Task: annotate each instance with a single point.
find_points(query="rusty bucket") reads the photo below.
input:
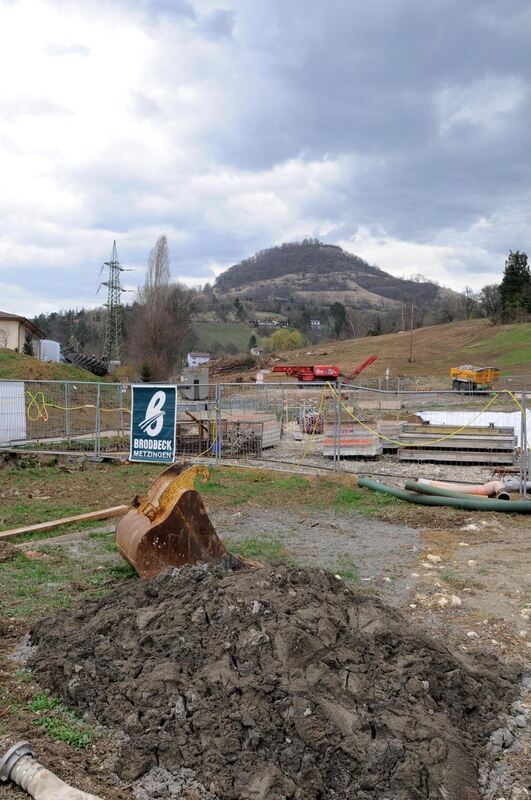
(170, 525)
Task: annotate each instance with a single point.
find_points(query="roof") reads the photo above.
(199, 355)
(37, 331)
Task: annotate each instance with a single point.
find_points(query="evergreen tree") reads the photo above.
(27, 347)
(240, 311)
(515, 288)
(145, 372)
(339, 316)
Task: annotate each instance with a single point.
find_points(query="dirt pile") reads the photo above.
(279, 683)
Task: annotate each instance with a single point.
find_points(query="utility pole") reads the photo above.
(113, 328)
(411, 338)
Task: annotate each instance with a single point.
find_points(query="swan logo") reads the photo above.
(154, 416)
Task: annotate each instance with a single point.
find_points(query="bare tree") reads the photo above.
(3, 337)
(470, 302)
(161, 320)
(491, 303)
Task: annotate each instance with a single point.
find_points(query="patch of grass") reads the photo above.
(508, 347)
(33, 587)
(293, 482)
(122, 572)
(260, 548)
(347, 570)
(235, 492)
(42, 701)
(59, 722)
(362, 501)
(449, 576)
(452, 578)
(236, 333)
(72, 731)
(105, 541)
(19, 366)
(23, 675)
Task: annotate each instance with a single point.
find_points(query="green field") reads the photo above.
(224, 333)
(508, 347)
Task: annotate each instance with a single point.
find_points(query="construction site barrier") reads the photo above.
(327, 426)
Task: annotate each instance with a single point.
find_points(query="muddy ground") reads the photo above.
(277, 684)
(464, 578)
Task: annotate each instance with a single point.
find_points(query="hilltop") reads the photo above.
(17, 366)
(315, 274)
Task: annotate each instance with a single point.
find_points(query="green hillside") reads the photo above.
(224, 333)
(17, 366)
(507, 348)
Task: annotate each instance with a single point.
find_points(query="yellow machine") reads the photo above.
(469, 378)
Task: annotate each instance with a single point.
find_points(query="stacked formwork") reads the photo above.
(457, 445)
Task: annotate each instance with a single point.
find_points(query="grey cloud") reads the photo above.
(218, 24)
(337, 79)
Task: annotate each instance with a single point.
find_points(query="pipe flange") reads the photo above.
(12, 756)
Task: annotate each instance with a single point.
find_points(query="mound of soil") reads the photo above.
(279, 683)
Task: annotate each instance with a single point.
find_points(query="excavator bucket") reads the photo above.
(170, 525)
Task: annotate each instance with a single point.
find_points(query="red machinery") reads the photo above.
(321, 372)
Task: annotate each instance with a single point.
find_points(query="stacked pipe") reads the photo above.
(426, 495)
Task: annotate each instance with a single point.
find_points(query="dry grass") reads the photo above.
(435, 350)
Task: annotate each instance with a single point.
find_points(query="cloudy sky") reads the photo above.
(399, 129)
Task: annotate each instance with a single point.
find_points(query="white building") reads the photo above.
(197, 359)
(13, 332)
(50, 350)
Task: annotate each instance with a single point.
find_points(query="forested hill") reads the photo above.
(309, 256)
(310, 267)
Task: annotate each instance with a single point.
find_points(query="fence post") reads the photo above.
(217, 444)
(337, 430)
(121, 410)
(524, 453)
(97, 439)
(68, 428)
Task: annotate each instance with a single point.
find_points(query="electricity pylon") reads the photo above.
(113, 328)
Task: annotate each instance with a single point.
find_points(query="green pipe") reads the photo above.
(464, 503)
(424, 488)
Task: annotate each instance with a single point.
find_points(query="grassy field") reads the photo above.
(225, 333)
(435, 350)
(17, 366)
(509, 347)
(52, 580)
(41, 493)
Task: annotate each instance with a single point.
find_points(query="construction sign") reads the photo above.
(153, 416)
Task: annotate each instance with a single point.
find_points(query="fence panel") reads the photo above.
(312, 425)
(64, 416)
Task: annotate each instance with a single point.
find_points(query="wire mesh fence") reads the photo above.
(325, 425)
